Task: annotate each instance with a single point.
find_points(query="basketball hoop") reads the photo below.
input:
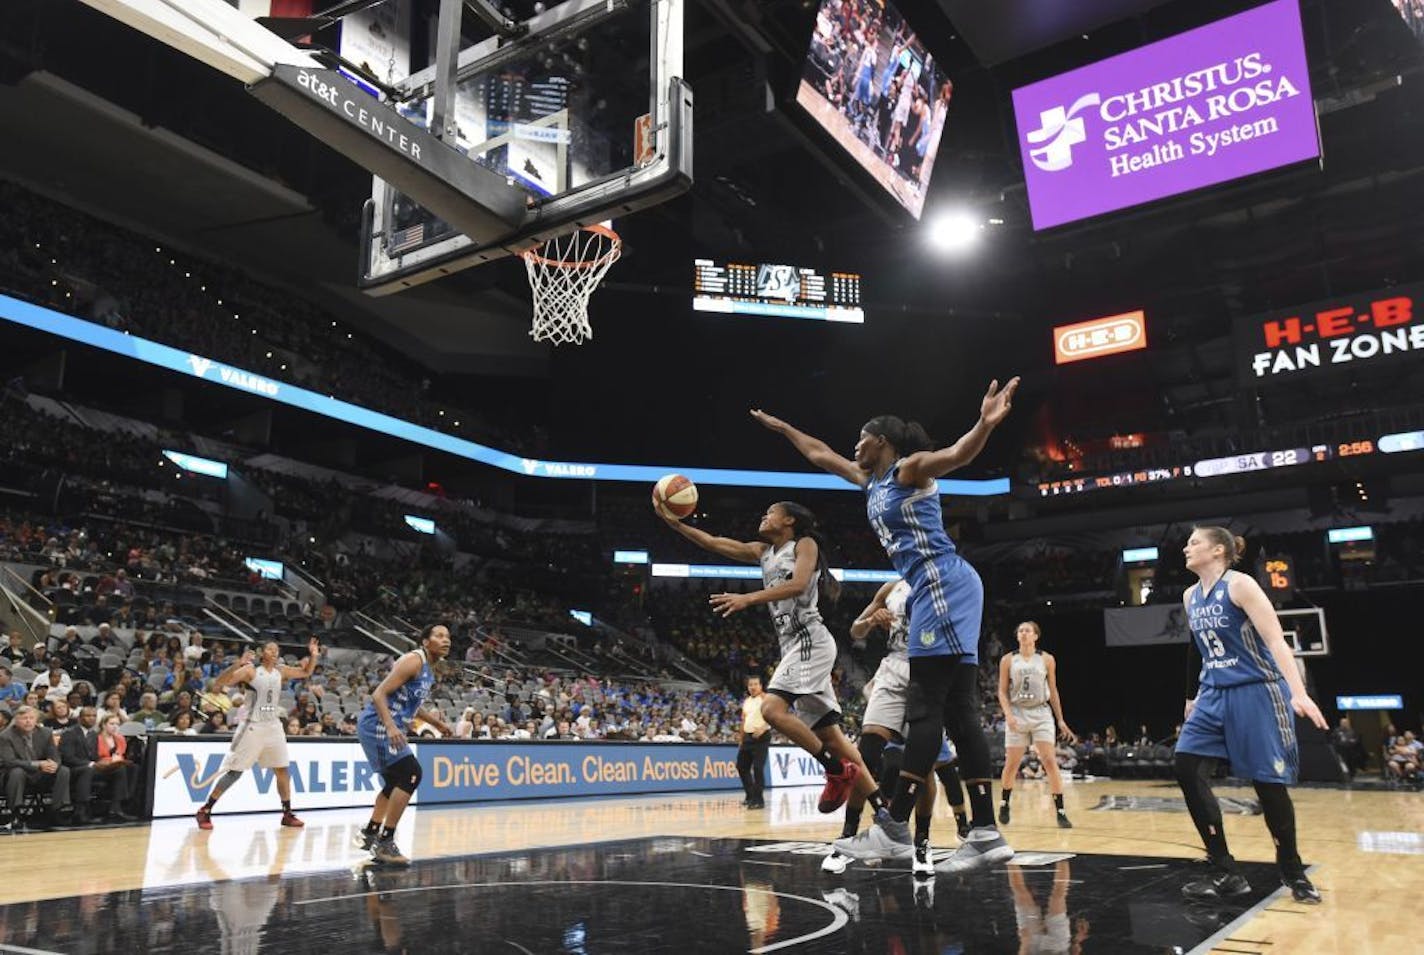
(563, 272)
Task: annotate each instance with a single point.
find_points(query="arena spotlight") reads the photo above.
(955, 231)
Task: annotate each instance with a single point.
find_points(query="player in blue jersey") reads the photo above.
(898, 469)
(1243, 711)
(382, 731)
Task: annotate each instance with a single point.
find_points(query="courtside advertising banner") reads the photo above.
(456, 772)
(1224, 101)
(793, 766)
(332, 774)
(325, 775)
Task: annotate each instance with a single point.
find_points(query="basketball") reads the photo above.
(677, 494)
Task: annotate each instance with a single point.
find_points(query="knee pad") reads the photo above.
(872, 750)
(404, 774)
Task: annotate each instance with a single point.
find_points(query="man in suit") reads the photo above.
(30, 762)
(79, 753)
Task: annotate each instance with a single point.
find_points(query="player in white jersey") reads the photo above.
(262, 737)
(887, 696)
(794, 573)
(1028, 695)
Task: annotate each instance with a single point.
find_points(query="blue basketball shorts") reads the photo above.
(1250, 725)
(946, 610)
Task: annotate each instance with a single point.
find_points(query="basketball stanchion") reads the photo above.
(563, 272)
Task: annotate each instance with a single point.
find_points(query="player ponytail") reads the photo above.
(803, 524)
(1234, 544)
(906, 437)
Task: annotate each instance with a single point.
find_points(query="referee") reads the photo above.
(752, 746)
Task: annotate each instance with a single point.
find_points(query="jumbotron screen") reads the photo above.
(781, 291)
(872, 84)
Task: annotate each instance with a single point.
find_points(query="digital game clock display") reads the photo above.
(778, 291)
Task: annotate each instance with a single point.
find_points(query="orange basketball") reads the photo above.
(677, 494)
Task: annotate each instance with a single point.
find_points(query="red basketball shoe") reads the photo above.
(838, 787)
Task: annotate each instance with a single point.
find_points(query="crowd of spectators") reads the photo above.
(72, 262)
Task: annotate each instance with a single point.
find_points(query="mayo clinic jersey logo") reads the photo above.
(927, 638)
(200, 365)
(1060, 130)
(1279, 766)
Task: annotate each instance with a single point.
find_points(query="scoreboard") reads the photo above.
(778, 291)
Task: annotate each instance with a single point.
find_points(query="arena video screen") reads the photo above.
(870, 82)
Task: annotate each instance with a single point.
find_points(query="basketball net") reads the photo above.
(563, 272)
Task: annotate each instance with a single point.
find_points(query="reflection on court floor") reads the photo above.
(252, 888)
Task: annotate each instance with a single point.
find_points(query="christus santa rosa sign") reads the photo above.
(1339, 334)
(1224, 101)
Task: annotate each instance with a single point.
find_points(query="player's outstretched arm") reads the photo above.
(307, 666)
(922, 466)
(814, 450)
(1248, 595)
(240, 672)
(748, 552)
(807, 557)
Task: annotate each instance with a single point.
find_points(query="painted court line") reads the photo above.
(838, 917)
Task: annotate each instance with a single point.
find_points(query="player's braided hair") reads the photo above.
(803, 524)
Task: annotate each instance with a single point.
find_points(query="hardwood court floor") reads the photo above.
(1368, 849)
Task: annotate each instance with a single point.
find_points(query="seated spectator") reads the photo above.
(183, 724)
(180, 679)
(308, 712)
(4, 718)
(105, 639)
(53, 684)
(465, 726)
(1405, 757)
(67, 647)
(84, 690)
(110, 751)
(76, 753)
(60, 718)
(348, 725)
(148, 712)
(14, 651)
(38, 657)
(30, 761)
(216, 662)
(313, 729)
(294, 726)
(182, 703)
(328, 725)
(216, 723)
(9, 689)
(113, 706)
